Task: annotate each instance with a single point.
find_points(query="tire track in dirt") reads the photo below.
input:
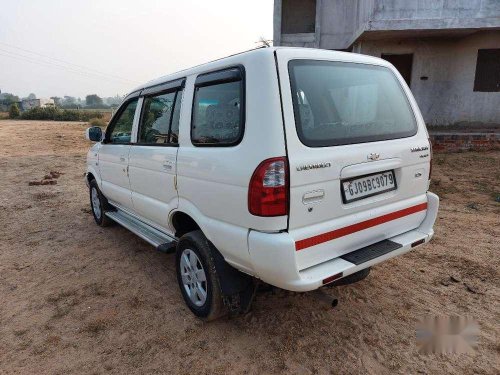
(80, 298)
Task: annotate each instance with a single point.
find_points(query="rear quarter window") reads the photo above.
(338, 103)
(218, 109)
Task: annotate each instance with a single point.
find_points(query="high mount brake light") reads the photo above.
(268, 189)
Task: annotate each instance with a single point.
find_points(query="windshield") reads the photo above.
(338, 103)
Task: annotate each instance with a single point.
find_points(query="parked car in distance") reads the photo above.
(297, 167)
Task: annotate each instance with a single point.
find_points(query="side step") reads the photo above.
(162, 241)
(368, 253)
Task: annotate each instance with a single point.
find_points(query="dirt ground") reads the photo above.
(77, 298)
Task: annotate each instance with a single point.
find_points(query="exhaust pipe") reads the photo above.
(326, 300)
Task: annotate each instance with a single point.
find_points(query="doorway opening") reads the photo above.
(403, 64)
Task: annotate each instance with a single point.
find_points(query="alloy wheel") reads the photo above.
(193, 277)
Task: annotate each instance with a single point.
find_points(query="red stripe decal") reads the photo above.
(337, 233)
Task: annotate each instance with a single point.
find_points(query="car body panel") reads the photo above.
(210, 184)
(312, 218)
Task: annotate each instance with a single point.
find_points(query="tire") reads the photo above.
(99, 205)
(197, 278)
(353, 278)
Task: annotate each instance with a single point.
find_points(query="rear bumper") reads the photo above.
(274, 260)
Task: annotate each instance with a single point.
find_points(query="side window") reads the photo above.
(217, 114)
(160, 119)
(121, 130)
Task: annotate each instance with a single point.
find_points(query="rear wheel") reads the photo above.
(99, 205)
(197, 277)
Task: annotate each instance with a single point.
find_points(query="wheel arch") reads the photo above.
(232, 281)
(183, 223)
(229, 240)
(92, 175)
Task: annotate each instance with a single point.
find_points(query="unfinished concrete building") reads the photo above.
(448, 51)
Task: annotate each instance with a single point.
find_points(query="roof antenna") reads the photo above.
(264, 43)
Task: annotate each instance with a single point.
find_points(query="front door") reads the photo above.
(153, 159)
(114, 155)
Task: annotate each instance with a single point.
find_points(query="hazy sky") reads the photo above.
(114, 45)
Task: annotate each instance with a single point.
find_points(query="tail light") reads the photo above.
(268, 190)
(430, 156)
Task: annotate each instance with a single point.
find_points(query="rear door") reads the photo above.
(350, 130)
(153, 158)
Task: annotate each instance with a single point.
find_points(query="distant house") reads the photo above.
(448, 51)
(28, 104)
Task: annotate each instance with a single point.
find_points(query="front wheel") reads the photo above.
(197, 277)
(98, 204)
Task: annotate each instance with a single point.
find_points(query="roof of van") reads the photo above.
(354, 57)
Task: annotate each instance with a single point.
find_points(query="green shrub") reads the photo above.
(58, 114)
(14, 111)
(96, 121)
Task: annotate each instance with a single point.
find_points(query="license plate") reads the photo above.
(357, 188)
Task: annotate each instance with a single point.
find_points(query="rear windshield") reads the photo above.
(338, 103)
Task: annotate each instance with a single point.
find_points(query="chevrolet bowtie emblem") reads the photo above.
(373, 156)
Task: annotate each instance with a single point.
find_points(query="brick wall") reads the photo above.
(454, 142)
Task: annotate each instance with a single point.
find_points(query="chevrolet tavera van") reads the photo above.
(292, 167)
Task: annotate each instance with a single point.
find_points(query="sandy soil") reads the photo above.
(77, 298)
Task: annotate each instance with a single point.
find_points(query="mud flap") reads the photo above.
(238, 288)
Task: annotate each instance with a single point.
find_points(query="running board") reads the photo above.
(162, 241)
(368, 253)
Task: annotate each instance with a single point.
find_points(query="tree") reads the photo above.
(9, 98)
(31, 96)
(93, 100)
(14, 111)
(113, 100)
(68, 102)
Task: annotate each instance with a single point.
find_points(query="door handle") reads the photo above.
(122, 158)
(313, 196)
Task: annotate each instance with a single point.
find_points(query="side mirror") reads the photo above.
(94, 134)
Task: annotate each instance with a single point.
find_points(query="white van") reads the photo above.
(297, 167)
